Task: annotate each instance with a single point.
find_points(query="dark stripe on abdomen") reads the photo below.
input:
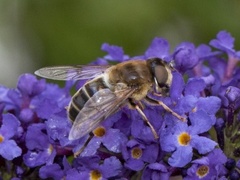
(80, 98)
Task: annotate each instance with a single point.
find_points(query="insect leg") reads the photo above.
(156, 102)
(76, 154)
(137, 107)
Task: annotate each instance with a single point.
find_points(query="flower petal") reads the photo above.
(158, 48)
(156, 171)
(232, 93)
(150, 153)
(212, 101)
(201, 122)
(53, 171)
(92, 147)
(186, 104)
(181, 157)
(194, 87)
(9, 149)
(204, 52)
(185, 56)
(177, 86)
(168, 141)
(9, 126)
(115, 53)
(134, 164)
(203, 144)
(26, 83)
(111, 167)
(35, 138)
(224, 42)
(37, 158)
(113, 140)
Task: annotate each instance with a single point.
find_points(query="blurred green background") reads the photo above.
(36, 33)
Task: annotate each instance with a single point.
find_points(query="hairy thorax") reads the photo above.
(131, 74)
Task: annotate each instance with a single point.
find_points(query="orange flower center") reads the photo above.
(1, 138)
(184, 138)
(95, 175)
(136, 153)
(202, 171)
(99, 132)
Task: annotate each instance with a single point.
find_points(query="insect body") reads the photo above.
(127, 83)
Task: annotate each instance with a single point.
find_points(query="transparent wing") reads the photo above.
(71, 72)
(98, 108)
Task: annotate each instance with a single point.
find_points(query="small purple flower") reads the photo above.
(115, 53)
(40, 151)
(185, 57)
(8, 146)
(158, 48)
(111, 138)
(91, 168)
(208, 167)
(225, 42)
(193, 102)
(20, 97)
(52, 100)
(181, 139)
(225, 69)
(28, 85)
(136, 154)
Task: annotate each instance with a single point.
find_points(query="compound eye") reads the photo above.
(161, 75)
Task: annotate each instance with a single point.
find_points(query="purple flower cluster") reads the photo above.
(34, 126)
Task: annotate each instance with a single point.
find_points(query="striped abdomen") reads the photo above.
(83, 95)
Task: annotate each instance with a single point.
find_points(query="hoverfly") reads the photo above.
(110, 88)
